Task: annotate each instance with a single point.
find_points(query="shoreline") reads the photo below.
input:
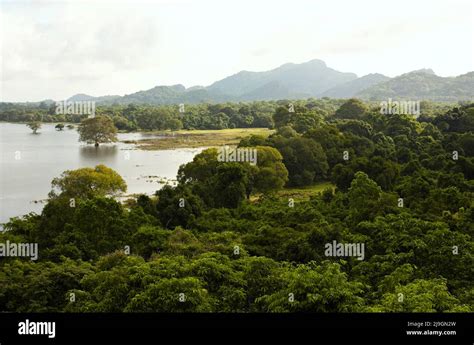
(183, 138)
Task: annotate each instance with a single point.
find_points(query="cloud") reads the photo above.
(77, 43)
(55, 49)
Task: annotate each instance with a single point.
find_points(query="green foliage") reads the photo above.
(352, 109)
(420, 296)
(43, 285)
(272, 173)
(34, 126)
(163, 296)
(364, 197)
(313, 288)
(231, 238)
(88, 182)
(97, 130)
(281, 117)
(305, 160)
(177, 206)
(228, 184)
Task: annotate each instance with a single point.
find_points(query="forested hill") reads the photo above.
(311, 79)
(353, 87)
(305, 80)
(423, 84)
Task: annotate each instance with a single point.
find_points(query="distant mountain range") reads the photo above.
(305, 80)
(423, 84)
(355, 86)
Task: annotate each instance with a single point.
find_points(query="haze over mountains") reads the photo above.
(305, 80)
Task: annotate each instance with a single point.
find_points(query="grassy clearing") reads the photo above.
(301, 193)
(304, 193)
(198, 138)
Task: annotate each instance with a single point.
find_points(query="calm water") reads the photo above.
(29, 162)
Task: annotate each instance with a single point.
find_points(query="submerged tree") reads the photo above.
(34, 126)
(59, 126)
(99, 129)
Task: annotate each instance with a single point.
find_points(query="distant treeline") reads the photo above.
(258, 114)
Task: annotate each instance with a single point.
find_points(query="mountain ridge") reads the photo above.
(304, 80)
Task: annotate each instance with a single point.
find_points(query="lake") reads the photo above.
(28, 163)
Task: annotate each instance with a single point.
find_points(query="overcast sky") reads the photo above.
(54, 49)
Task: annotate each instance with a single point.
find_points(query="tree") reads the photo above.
(281, 117)
(122, 123)
(203, 166)
(22, 279)
(253, 140)
(457, 120)
(174, 124)
(421, 296)
(304, 158)
(59, 127)
(230, 185)
(306, 120)
(352, 109)
(268, 175)
(262, 276)
(271, 174)
(356, 127)
(331, 140)
(313, 288)
(34, 126)
(364, 197)
(182, 295)
(402, 124)
(88, 182)
(285, 132)
(221, 280)
(109, 288)
(104, 231)
(177, 206)
(98, 129)
(149, 240)
(154, 118)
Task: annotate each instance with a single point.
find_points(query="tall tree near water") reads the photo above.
(97, 130)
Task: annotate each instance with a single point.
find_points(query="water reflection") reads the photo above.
(103, 153)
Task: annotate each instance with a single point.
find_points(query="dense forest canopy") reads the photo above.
(228, 238)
